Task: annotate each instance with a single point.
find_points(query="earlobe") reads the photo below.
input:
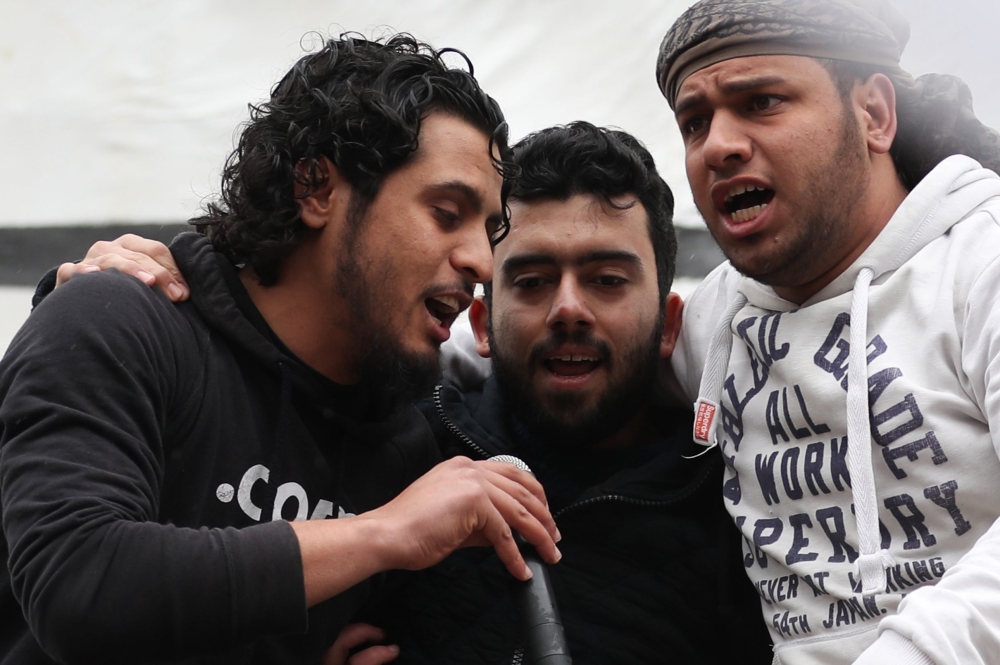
(673, 311)
(479, 315)
(879, 113)
(318, 207)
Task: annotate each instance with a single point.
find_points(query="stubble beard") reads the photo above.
(394, 373)
(564, 420)
(825, 219)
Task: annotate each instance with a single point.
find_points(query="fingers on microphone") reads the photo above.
(525, 514)
(502, 539)
(532, 502)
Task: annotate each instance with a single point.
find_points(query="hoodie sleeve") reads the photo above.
(88, 390)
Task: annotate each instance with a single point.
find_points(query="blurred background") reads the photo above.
(116, 116)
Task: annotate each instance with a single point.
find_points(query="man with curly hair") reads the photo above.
(151, 453)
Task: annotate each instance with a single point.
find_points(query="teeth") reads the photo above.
(449, 302)
(575, 359)
(746, 214)
(742, 189)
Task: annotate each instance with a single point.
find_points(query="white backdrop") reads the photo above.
(123, 110)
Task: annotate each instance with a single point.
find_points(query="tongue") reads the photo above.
(570, 367)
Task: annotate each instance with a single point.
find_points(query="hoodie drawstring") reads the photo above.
(706, 408)
(873, 560)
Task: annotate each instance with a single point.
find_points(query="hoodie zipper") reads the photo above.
(453, 428)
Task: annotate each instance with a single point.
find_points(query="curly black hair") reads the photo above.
(357, 102)
(580, 158)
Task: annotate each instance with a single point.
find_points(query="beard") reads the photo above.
(826, 216)
(564, 419)
(393, 374)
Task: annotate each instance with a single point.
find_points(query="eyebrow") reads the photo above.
(456, 187)
(600, 256)
(729, 88)
(473, 198)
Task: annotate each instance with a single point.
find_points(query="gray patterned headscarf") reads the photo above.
(934, 111)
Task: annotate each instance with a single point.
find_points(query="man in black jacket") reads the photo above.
(576, 319)
(150, 453)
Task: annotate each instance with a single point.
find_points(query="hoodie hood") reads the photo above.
(941, 200)
(205, 270)
(212, 298)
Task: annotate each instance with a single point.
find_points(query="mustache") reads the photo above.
(576, 338)
(463, 285)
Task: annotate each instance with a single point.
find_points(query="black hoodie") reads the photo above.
(149, 453)
(651, 572)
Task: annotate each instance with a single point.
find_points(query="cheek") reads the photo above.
(517, 329)
(696, 174)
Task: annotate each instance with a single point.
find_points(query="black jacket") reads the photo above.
(651, 569)
(148, 452)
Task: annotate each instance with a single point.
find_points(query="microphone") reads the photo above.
(545, 642)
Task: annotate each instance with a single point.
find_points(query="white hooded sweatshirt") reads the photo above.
(896, 538)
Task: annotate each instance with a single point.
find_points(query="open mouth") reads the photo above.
(745, 202)
(572, 365)
(443, 309)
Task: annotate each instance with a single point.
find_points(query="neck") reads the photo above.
(309, 317)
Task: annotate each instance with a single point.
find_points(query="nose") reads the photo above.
(726, 142)
(472, 256)
(569, 306)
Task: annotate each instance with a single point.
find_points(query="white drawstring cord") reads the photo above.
(873, 560)
(706, 408)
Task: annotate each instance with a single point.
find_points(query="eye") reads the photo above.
(528, 283)
(693, 125)
(611, 280)
(447, 218)
(764, 102)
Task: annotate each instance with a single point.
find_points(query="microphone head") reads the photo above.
(510, 459)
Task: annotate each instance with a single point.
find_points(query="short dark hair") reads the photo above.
(929, 127)
(355, 101)
(580, 158)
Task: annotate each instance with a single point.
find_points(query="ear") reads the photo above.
(673, 309)
(875, 100)
(331, 198)
(479, 316)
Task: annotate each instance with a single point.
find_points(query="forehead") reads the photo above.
(582, 224)
(740, 74)
(451, 149)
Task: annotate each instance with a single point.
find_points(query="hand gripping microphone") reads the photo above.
(545, 643)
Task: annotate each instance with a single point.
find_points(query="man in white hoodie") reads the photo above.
(844, 360)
